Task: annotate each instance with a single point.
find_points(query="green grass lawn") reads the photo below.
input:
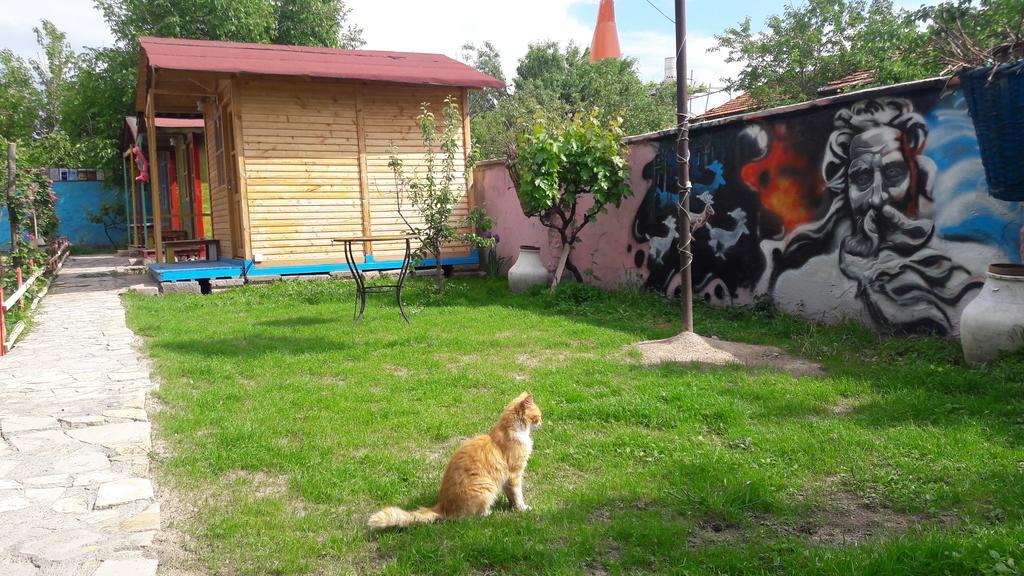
(286, 428)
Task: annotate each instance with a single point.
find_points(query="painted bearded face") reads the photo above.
(879, 174)
(879, 193)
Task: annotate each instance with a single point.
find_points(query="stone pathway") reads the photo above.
(75, 494)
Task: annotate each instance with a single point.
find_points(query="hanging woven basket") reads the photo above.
(996, 103)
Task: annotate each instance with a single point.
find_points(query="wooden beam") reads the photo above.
(154, 175)
(210, 89)
(467, 148)
(240, 180)
(183, 93)
(364, 181)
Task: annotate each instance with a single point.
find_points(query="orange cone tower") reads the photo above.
(606, 35)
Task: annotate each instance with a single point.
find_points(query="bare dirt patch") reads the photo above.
(689, 347)
(844, 406)
(713, 532)
(848, 519)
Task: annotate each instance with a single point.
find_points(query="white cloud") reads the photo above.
(79, 19)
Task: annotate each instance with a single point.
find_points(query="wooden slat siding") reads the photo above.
(391, 119)
(307, 183)
(302, 169)
(219, 197)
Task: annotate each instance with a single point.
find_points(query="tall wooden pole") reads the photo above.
(12, 174)
(683, 172)
(154, 177)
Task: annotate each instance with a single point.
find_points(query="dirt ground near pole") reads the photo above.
(688, 347)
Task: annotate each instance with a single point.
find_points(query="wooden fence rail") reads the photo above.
(61, 248)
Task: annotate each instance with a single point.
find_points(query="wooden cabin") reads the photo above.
(298, 141)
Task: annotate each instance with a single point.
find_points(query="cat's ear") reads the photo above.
(527, 400)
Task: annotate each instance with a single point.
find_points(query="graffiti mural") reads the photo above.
(875, 209)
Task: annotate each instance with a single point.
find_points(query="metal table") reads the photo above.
(361, 288)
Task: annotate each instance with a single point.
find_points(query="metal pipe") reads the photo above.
(683, 172)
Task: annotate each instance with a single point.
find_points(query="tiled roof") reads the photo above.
(738, 105)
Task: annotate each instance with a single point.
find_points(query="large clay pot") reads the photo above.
(528, 270)
(993, 323)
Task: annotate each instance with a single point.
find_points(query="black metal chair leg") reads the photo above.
(401, 308)
(362, 307)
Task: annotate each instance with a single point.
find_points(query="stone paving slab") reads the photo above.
(75, 496)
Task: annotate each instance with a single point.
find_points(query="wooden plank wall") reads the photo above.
(302, 148)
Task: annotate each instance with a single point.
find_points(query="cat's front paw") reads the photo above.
(524, 507)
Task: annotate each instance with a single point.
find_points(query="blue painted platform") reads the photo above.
(201, 270)
(369, 264)
(236, 268)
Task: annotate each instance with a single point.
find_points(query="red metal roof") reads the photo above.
(238, 57)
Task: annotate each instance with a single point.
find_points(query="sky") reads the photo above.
(445, 25)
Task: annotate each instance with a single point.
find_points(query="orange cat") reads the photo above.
(479, 471)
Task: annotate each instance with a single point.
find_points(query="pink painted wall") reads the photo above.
(600, 253)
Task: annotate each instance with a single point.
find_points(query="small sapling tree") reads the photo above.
(436, 191)
(555, 167)
(110, 215)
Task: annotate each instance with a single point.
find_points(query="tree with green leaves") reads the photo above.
(36, 108)
(486, 59)
(553, 83)
(298, 22)
(111, 216)
(316, 23)
(555, 166)
(436, 190)
(20, 99)
(818, 41)
(53, 74)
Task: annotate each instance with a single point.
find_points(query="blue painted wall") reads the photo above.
(75, 200)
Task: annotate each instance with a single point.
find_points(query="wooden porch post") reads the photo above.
(134, 222)
(197, 187)
(127, 202)
(154, 175)
(241, 173)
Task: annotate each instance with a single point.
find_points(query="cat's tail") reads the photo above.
(393, 517)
